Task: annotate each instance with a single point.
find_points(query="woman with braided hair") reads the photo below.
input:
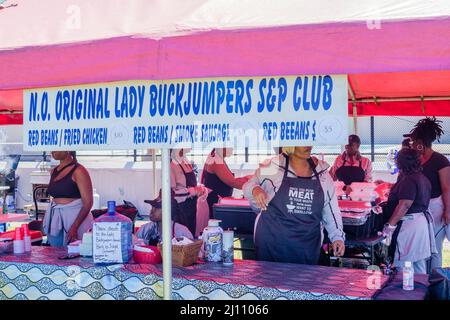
(436, 167)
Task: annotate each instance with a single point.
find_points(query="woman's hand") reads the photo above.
(72, 234)
(388, 230)
(200, 191)
(348, 190)
(338, 248)
(197, 191)
(260, 197)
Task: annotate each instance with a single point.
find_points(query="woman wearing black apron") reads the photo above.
(409, 224)
(219, 178)
(344, 168)
(184, 187)
(350, 174)
(295, 194)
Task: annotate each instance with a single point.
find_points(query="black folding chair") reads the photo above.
(36, 225)
(40, 195)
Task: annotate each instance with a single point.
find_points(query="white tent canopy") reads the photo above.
(38, 23)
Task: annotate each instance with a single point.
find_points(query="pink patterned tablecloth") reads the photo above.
(246, 279)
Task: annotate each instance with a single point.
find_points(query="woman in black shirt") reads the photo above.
(436, 167)
(410, 225)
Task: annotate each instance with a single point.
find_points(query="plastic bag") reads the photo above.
(390, 161)
(202, 217)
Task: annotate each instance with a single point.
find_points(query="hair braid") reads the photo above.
(427, 130)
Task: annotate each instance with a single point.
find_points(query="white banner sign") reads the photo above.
(256, 111)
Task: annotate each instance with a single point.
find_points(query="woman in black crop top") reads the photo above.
(71, 190)
(218, 177)
(436, 167)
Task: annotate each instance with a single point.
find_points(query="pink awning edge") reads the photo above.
(81, 63)
(341, 48)
(401, 84)
(438, 108)
(11, 100)
(11, 106)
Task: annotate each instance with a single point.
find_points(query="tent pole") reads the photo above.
(355, 113)
(155, 181)
(372, 138)
(166, 225)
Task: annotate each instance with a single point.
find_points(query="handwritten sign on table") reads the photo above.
(107, 242)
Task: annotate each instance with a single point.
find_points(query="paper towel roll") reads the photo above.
(228, 239)
(227, 247)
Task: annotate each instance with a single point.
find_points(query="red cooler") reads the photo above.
(36, 236)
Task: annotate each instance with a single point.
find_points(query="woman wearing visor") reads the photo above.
(69, 214)
(436, 167)
(296, 195)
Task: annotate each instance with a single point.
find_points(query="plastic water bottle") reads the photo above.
(228, 248)
(408, 276)
(212, 239)
(4, 206)
(96, 204)
(10, 203)
(126, 226)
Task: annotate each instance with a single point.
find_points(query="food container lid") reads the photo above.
(214, 222)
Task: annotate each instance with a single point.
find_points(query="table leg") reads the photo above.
(4, 207)
(372, 258)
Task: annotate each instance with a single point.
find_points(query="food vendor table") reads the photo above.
(368, 243)
(395, 289)
(13, 217)
(41, 275)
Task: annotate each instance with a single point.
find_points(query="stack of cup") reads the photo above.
(27, 237)
(19, 243)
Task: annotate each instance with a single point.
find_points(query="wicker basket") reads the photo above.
(185, 255)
